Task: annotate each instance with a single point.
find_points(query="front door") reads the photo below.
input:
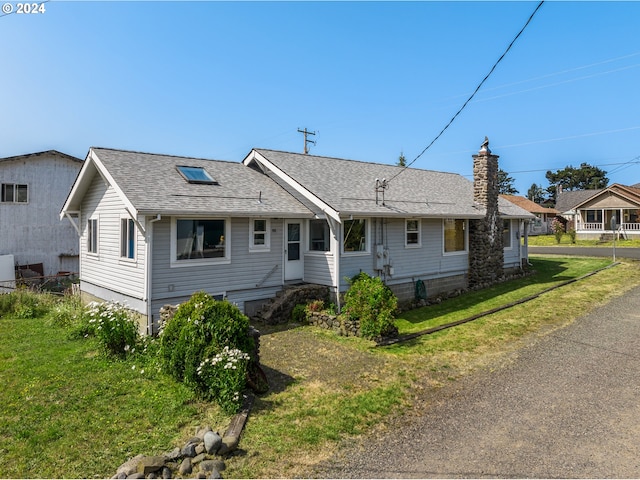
(293, 260)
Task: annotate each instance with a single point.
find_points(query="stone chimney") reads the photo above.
(486, 254)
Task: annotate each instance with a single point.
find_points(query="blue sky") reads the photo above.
(372, 79)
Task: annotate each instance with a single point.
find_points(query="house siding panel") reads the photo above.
(319, 268)
(107, 270)
(238, 280)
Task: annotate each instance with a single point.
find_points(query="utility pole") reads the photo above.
(306, 142)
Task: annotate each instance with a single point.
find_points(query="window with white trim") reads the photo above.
(259, 238)
(127, 238)
(354, 238)
(506, 233)
(319, 237)
(92, 235)
(14, 193)
(455, 235)
(412, 237)
(197, 239)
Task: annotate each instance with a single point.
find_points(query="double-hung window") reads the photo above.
(455, 235)
(259, 239)
(127, 238)
(92, 235)
(412, 233)
(14, 193)
(355, 235)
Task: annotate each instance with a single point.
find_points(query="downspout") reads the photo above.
(334, 226)
(147, 271)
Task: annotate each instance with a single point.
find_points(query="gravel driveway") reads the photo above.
(566, 405)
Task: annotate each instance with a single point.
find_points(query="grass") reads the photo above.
(550, 240)
(68, 411)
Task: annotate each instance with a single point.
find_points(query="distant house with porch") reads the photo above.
(155, 228)
(33, 188)
(595, 214)
(541, 225)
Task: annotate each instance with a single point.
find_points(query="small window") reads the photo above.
(355, 235)
(319, 236)
(200, 239)
(455, 238)
(196, 175)
(14, 193)
(127, 238)
(412, 233)
(506, 234)
(259, 234)
(92, 235)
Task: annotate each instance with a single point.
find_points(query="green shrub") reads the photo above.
(572, 235)
(67, 313)
(200, 330)
(299, 313)
(370, 302)
(114, 326)
(7, 303)
(315, 306)
(224, 377)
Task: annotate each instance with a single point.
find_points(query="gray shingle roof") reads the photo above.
(348, 186)
(567, 200)
(153, 185)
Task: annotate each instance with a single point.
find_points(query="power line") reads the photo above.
(473, 94)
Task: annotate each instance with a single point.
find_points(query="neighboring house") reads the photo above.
(590, 212)
(541, 225)
(156, 228)
(33, 188)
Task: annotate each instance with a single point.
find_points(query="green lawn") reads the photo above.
(68, 411)
(550, 240)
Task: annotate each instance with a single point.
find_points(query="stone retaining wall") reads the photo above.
(346, 328)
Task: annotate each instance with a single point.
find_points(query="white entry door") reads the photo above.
(293, 259)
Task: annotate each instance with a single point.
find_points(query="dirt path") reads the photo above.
(566, 406)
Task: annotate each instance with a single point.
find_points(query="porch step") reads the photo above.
(278, 310)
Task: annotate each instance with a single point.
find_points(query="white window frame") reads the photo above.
(465, 227)
(257, 247)
(93, 230)
(418, 244)
(508, 232)
(226, 259)
(367, 237)
(310, 240)
(127, 229)
(14, 192)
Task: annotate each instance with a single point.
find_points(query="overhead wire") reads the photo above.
(473, 94)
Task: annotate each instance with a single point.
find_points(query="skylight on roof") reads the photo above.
(196, 175)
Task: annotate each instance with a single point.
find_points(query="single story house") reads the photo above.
(33, 188)
(595, 214)
(541, 225)
(156, 228)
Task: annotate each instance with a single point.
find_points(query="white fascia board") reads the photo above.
(328, 210)
(85, 175)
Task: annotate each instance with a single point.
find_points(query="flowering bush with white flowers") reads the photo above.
(224, 378)
(204, 329)
(114, 326)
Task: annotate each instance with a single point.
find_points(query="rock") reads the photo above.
(202, 432)
(152, 476)
(189, 450)
(166, 472)
(185, 467)
(130, 466)
(120, 475)
(197, 458)
(136, 475)
(148, 465)
(215, 474)
(195, 440)
(200, 475)
(173, 455)
(212, 442)
(208, 466)
(199, 448)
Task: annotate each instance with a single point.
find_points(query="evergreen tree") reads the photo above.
(535, 193)
(586, 177)
(402, 162)
(505, 183)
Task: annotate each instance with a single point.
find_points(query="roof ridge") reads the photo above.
(44, 152)
(162, 155)
(353, 160)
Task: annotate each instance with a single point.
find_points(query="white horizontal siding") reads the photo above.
(318, 268)
(107, 269)
(238, 279)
